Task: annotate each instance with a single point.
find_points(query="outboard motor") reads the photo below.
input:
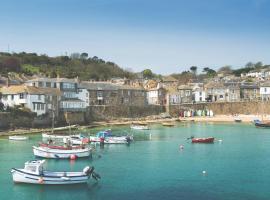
(128, 139)
(88, 170)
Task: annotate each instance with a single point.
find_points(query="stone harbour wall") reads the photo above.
(225, 108)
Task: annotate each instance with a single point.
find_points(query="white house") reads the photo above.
(36, 99)
(73, 98)
(199, 95)
(265, 91)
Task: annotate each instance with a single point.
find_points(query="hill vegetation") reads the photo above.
(76, 64)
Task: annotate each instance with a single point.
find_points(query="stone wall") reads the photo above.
(97, 113)
(225, 108)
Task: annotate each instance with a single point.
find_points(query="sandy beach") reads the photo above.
(127, 121)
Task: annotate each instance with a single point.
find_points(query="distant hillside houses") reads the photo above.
(44, 95)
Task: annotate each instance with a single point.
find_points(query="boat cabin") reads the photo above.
(34, 166)
(103, 134)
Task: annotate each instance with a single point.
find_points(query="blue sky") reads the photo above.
(166, 36)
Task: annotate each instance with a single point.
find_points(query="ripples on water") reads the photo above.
(154, 167)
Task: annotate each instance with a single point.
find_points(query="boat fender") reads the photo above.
(73, 157)
(41, 180)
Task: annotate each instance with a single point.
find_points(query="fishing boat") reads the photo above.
(18, 138)
(46, 152)
(107, 138)
(34, 173)
(203, 140)
(52, 136)
(139, 127)
(61, 147)
(238, 120)
(263, 124)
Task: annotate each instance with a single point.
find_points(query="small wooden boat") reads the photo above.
(34, 173)
(18, 137)
(203, 140)
(46, 152)
(168, 124)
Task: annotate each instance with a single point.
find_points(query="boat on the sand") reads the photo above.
(34, 173)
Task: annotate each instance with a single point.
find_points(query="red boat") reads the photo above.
(203, 140)
(59, 146)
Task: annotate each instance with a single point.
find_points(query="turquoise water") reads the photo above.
(153, 167)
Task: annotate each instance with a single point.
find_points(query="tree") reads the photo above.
(209, 72)
(84, 56)
(225, 70)
(193, 69)
(258, 65)
(148, 74)
(249, 65)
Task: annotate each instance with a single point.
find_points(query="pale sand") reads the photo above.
(216, 118)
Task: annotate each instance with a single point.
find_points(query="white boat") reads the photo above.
(139, 127)
(46, 152)
(34, 173)
(18, 137)
(107, 137)
(51, 136)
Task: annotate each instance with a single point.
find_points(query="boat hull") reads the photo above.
(203, 140)
(18, 138)
(21, 177)
(45, 152)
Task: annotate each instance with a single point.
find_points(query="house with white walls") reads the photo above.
(265, 91)
(38, 100)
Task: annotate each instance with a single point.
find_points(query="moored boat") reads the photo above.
(107, 138)
(34, 173)
(46, 152)
(262, 124)
(52, 136)
(52, 146)
(18, 137)
(168, 124)
(203, 140)
(139, 127)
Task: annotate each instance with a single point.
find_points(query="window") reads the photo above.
(38, 106)
(40, 84)
(255, 91)
(221, 96)
(200, 98)
(48, 84)
(39, 97)
(12, 97)
(265, 89)
(68, 85)
(42, 106)
(34, 106)
(21, 96)
(99, 93)
(200, 93)
(86, 94)
(54, 85)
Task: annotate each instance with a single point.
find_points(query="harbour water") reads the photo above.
(154, 167)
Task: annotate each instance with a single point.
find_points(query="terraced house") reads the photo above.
(74, 99)
(37, 100)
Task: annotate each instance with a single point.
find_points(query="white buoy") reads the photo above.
(181, 147)
(204, 172)
(220, 141)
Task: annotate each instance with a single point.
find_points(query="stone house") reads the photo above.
(106, 93)
(169, 81)
(215, 92)
(185, 93)
(173, 96)
(38, 100)
(249, 92)
(232, 91)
